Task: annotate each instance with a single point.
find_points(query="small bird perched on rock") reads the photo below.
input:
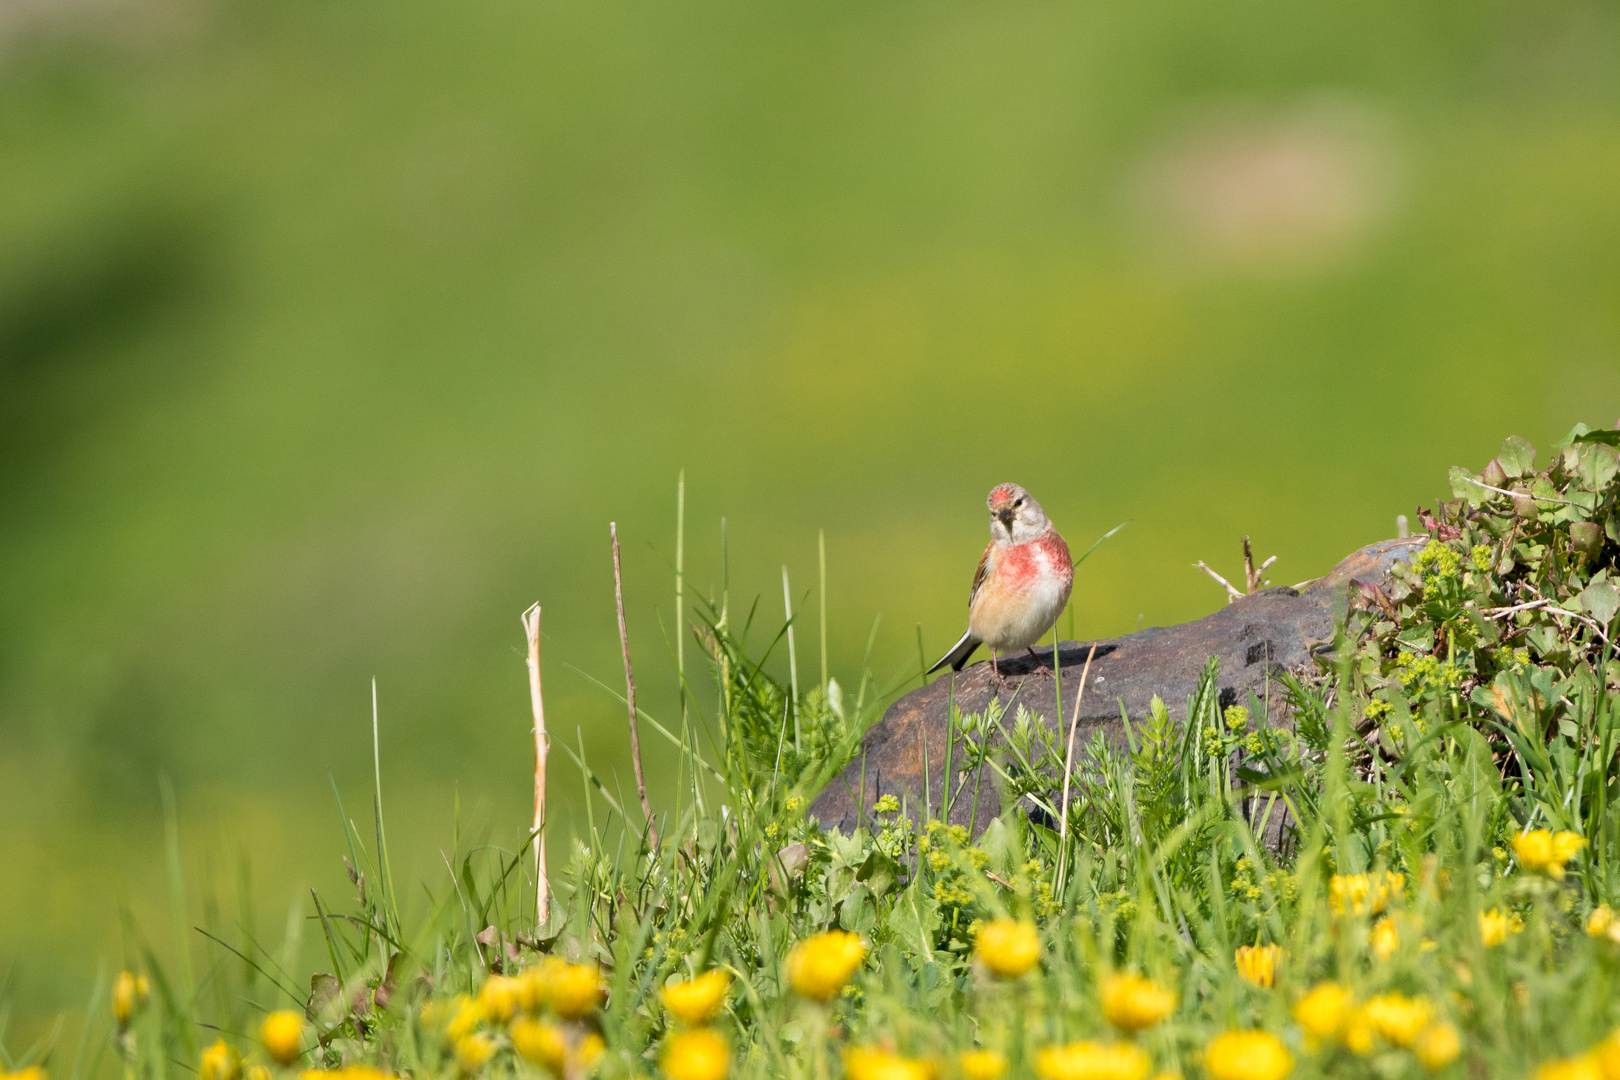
(1022, 582)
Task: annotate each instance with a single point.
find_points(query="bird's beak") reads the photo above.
(1006, 516)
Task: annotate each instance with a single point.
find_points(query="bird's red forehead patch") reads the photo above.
(1002, 494)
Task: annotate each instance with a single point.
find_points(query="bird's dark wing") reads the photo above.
(982, 572)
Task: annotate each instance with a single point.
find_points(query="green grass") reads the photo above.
(332, 336)
(1186, 840)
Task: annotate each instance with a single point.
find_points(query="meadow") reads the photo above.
(332, 336)
(1402, 864)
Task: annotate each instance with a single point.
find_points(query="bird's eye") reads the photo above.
(1018, 502)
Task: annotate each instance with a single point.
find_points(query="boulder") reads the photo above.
(1255, 638)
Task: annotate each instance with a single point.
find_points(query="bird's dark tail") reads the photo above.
(958, 656)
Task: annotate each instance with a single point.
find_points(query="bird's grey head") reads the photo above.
(1015, 516)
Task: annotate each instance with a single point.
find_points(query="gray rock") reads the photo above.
(1254, 637)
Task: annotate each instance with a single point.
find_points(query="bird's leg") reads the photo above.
(994, 670)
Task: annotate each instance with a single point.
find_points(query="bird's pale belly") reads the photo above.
(1018, 618)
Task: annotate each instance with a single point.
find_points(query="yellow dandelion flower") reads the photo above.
(1584, 1067)
(591, 1048)
(982, 1064)
(220, 1062)
(283, 1036)
(1007, 947)
(1495, 925)
(1384, 938)
(696, 1000)
(473, 1050)
(1088, 1060)
(460, 1017)
(1321, 1012)
(27, 1072)
(819, 966)
(540, 1043)
(1607, 1053)
(499, 997)
(575, 990)
(697, 1054)
(1437, 1046)
(1598, 923)
(1365, 894)
(1133, 1002)
(1399, 1018)
(128, 994)
(1359, 1033)
(1258, 963)
(1248, 1055)
(872, 1063)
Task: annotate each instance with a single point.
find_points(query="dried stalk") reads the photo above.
(630, 686)
(542, 883)
(1068, 760)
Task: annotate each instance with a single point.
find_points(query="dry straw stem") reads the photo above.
(542, 884)
(1074, 722)
(630, 686)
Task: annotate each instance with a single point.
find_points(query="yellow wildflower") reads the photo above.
(1495, 925)
(696, 1000)
(574, 990)
(27, 1072)
(541, 1043)
(1607, 1053)
(591, 1048)
(698, 1054)
(1584, 1067)
(473, 1050)
(498, 998)
(1399, 1018)
(1542, 851)
(1007, 947)
(1321, 1012)
(1088, 1060)
(463, 1017)
(1365, 894)
(1248, 1055)
(128, 994)
(220, 1062)
(1437, 1046)
(982, 1064)
(1598, 923)
(819, 966)
(1384, 938)
(256, 1072)
(1359, 1033)
(283, 1036)
(1258, 963)
(872, 1063)
(1132, 1002)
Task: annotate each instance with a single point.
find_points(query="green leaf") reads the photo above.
(1601, 600)
(1609, 437)
(1465, 484)
(1516, 457)
(1598, 465)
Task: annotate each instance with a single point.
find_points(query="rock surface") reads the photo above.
(1254, 637)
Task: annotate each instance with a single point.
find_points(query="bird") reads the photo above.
(1022, 583)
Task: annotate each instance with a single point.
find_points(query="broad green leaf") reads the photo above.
(1609, 437)
(1466, 485)
(1598, 465)
(1516, 457)
(1601, 600)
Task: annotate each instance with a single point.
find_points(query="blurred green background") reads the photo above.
(334, 334)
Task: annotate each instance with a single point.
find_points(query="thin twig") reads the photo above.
(1528, 494)
(1503, 612)
(1231, 591)
(630, 684)
(542, 883)
(1068, 760)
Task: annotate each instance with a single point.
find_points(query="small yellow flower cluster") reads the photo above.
(521, 1004)
(1088, 1060)
(1602, 1062)
(1384, 938)
(1542, 851)
(819, 966)
(1495, 925)
(283, 1036)
(875, 1063)
(1007, 947)
(982, 1064)
(1602, 923)
(698, 999)
(1257, 964)
(27, 1072)
(1247, 1055)
(129, 992)
(220, 1062)
(1134, 1002)
(1329, 1012)
(1365, 894)
(698, 1054)
(348, 1072)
